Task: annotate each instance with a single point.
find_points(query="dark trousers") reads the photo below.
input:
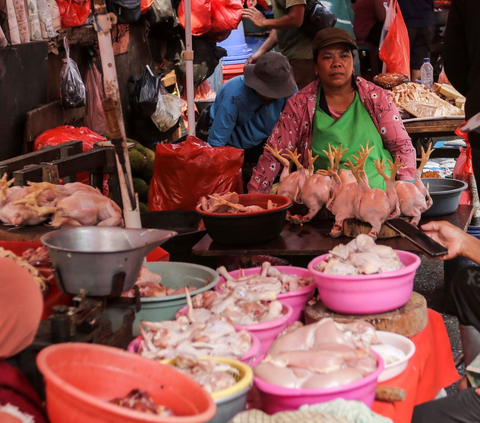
(463, 407)
(466, 296)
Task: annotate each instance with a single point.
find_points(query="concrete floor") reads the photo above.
(429, 282)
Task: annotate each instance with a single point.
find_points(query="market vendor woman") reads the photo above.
(337, 108)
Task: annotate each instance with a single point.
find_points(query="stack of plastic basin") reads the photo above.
(237, 53)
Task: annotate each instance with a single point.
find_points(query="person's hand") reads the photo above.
(448, 235)
(255, 16)
(253, 58)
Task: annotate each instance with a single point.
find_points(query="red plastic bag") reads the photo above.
(226, 15)
(63, 134)
(187, 171)
(395, 50)
(463, 167)
(74, 12)
(201, 16)
(95, 118)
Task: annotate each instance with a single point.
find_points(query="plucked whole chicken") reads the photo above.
(269, 279)
(325, 354)
(73, 204)
(360, 256)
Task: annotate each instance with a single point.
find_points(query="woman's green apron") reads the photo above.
(352, 130)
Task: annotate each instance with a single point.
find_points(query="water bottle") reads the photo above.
(427, 74)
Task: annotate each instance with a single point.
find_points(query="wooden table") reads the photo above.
(433, 128)
(312, 239)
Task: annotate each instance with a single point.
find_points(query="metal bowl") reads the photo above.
(248, 228)
(445, 194)
(102, 260)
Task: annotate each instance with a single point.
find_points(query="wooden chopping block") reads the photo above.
(354, 227)
(407, 320)
(26, 233)
(389, 394)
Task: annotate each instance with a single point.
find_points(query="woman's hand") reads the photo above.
(253, 58)
(449, 236)
(255, 16)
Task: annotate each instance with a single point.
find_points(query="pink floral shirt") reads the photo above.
(294, 131)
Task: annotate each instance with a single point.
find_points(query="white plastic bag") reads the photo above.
(22, 20)
(55, 14)
(34, 21)
(162, 10)
(12, 23)
(46, 23)
(169, 110)
(72, 88)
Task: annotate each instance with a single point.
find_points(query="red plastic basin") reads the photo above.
(81, 379)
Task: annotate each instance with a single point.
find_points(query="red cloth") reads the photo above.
(16, 390)
(429, 370)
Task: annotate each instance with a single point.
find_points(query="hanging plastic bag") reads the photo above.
(225, 15)
(395, 50)
(74, 12)
(168, 110)
(72, 89)
(95, 118)
(22, 20)
(187, 171)
(12, 23)
(201, 16)
(34, 21)
(46, 23)
(463, 167)
(160, 11)
(145, 93)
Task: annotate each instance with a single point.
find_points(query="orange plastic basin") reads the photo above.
(81, 379)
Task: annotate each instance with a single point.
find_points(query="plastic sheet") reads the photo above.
(74, 12)
(225, 15)
(22, 20)
(187, 171)
(34, 21)
(12, 23)
(201, 16)
(46, 23)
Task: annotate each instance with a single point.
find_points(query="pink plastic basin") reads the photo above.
(296, 299)
(367, 294)
(252, 352)
(265, 332)
(277, 398)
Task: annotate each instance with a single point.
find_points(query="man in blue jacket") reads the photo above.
(247, 107)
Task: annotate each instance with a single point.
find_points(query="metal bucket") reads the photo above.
(102, 260)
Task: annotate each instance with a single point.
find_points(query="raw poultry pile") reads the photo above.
(73, 204)
(421, 102)
(240, 306)
(269, 279)
(230, 203)
(43, 282)
(211, 375)
(360, 257)
(37, 257)
(140, 400)
(149, 286)
(325, 354)
(212, 336)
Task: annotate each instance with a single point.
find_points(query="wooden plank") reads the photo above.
(433, 126)
(81, 35)
(46, 154)
(49, 116)
(407, 320)
(169, 79)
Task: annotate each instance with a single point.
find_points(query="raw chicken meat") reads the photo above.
(270, 279)
(149, 286)
(360, 256)
(240, 306)
(140, 400)
(37, 257)
(230, 203)
(341, 204)
(211, 375)
(414, 199)
(14, 212)
(371, 205)
(321, 355)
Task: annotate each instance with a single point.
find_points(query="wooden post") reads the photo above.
(103, 25)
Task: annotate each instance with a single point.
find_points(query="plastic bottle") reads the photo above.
(427, 74)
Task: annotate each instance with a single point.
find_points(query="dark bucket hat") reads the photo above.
(328, 36)
(271, 76)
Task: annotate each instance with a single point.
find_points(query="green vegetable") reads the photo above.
(143, 207)
(138, 162)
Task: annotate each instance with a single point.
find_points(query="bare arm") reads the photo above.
(269, 43)
(293, 19)
(458, 242)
